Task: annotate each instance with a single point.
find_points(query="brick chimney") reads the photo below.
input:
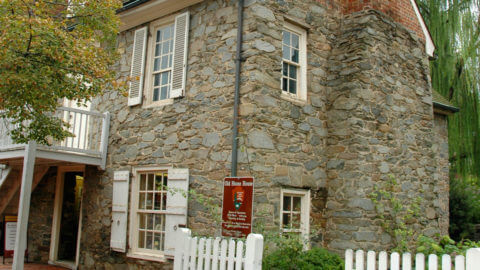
(402, 11)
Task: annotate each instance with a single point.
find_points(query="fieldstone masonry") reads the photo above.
(368, 115)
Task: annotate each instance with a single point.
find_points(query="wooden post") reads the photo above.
(254, 252)
(24, 205)
(473, 258)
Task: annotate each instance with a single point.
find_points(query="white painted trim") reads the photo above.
(305, 209)
(302, 80)
(57, 215)
(429, 45)
(150, 11)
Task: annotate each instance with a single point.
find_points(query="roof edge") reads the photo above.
(445, 107)
(131, 4)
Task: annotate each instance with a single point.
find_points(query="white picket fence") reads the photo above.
(356, 261)
(206, 253)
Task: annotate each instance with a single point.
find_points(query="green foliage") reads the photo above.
(292, 256)
(51, 50)
(445, 245)
(464, 208)
(396, 215)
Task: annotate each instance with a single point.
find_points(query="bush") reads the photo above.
(464, 208)
(292, 257)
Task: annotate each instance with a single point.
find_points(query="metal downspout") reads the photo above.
(238, 61)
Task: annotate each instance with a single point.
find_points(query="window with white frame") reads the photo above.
(149, 212)
(295, 211)
(294, 62)
(161, 70)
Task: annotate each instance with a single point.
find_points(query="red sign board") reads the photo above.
(10, 233)
(237, 206)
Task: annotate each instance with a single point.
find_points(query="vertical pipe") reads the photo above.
(238, 61)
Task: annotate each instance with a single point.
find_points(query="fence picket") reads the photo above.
(371, 260)
(359, 260)
(231, 254)
(193, 252)
(223, 254)
(420, 261)
(446, 262)
(186, 253)
(239, 256)
(432, 262)
(208, 253)
(406, 261)
(460, 262)
(216, 253)
(348, 259)
(383, 260)
(201, 253)
(395, 261)
(473, 258)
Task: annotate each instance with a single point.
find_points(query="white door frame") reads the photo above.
(57, 215)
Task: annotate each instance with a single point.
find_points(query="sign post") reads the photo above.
(237, 206)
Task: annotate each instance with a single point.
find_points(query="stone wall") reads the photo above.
(40, 218)
(380, 123)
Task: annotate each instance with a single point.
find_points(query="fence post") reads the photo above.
(179, 249)
(254, 252)
(473, 258)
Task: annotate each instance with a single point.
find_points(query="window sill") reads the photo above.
(147, 257)
(159, 103)
(294, 99)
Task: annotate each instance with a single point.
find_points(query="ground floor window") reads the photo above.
(295, 212)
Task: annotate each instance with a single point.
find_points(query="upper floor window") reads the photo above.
(162, 63)
(294, 62)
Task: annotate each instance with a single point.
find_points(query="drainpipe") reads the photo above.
(238, 61)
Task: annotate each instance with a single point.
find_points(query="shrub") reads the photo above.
(292, 258)
(464, 207)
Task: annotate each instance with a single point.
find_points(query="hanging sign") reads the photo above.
(237, 206)
(10, 235)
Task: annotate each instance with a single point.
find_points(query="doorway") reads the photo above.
(66, 225)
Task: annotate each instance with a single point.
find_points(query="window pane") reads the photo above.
(292, 86)
(294, 41)
(149, 203)
(296, 221)
(285, 84)
(286, 220)
(293, 71)
(159, 35)
(165, 176)
(155, 93)
(142, 181)
(286, 38)
(165, 76)
(156, 80)
(156, 64)
(297, 203)
(166, 47)
(141, 239)
(295, 55)
(164, 203)
(157, 242)
(164, 92)
(167, 33)
(158, 182)
(158, 201)
(149, 221)
(165, 61)
(286, 52)
(141, 221)
(158, 49)
(287, 203)
(141, 201)
(150, 182)
(159, 222)
(149, 240)
(285, 69)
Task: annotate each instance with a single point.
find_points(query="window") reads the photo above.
(159, 62)
(149, 212)
(294, 62)
(158, 207)
(295, 212)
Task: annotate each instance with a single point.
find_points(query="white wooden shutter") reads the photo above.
(138, 67)
(119, 211)
(177, 204)
(179, 69)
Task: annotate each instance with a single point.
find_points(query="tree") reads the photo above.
(51, 50)
(455, 29)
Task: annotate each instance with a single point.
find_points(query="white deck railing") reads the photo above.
(90, 131)
(395, 261)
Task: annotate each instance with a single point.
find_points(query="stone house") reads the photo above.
(334, 97)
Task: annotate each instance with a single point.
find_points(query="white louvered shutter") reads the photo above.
(138, 67)
(177, 204)
(119, 211)
(179, 69)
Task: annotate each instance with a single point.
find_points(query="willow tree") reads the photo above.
(454, 26)
(51, 50)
